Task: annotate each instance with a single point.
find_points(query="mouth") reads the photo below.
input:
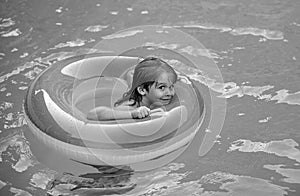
(166, 100)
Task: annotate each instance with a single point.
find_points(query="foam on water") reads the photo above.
(284, 148)
(226, 90)
(6, 22)
(168, 181)
(13, 33)
(5, 105)
(19, 192)
(41, 62)
(41, 179)
(265, 119)
(231, 89)
(266, 33)
(114, 12)
(76, 43)
(290, 175)
(122, 34)
(96, 28)
(59, 10)
(17, 141)
(282, 96)
(17, 70)
(188, 49)
(33, 73)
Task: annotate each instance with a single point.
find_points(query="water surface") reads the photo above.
(255, 45)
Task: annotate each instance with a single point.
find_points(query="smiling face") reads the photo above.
(160, 93)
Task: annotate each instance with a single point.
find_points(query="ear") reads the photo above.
(141, 90)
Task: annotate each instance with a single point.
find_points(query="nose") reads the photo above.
(170, 91)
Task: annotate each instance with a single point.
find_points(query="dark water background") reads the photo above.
(255, 44)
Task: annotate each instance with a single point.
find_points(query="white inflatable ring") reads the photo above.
(59, 98)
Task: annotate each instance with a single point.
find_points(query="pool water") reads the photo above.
(254, 45)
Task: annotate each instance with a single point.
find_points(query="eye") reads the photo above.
(162, 87)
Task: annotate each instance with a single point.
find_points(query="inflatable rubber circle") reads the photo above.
(58, 100)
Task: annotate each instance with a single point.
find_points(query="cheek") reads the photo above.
(159, 94)
(156, 94)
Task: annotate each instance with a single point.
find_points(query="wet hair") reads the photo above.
(145, 75)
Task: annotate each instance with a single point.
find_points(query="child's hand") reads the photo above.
(157, 112)
(140, 112)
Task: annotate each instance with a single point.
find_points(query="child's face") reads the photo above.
(161, 92)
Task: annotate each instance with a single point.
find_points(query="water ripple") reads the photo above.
(19, 192)
(268, 34)
(122, 34)
(168, 181)
(282, 96)
(7, 22)
(285, 148)
(18, 141)
(13, 33)
(95, 28)
(291, 175)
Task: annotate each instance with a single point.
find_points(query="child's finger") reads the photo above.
(146, 112)
(157, 110)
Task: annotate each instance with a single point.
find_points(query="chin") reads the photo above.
(163, 103)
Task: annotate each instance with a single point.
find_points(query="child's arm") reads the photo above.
(106, 113)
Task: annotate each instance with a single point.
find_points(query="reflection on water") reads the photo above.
(254, 44)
